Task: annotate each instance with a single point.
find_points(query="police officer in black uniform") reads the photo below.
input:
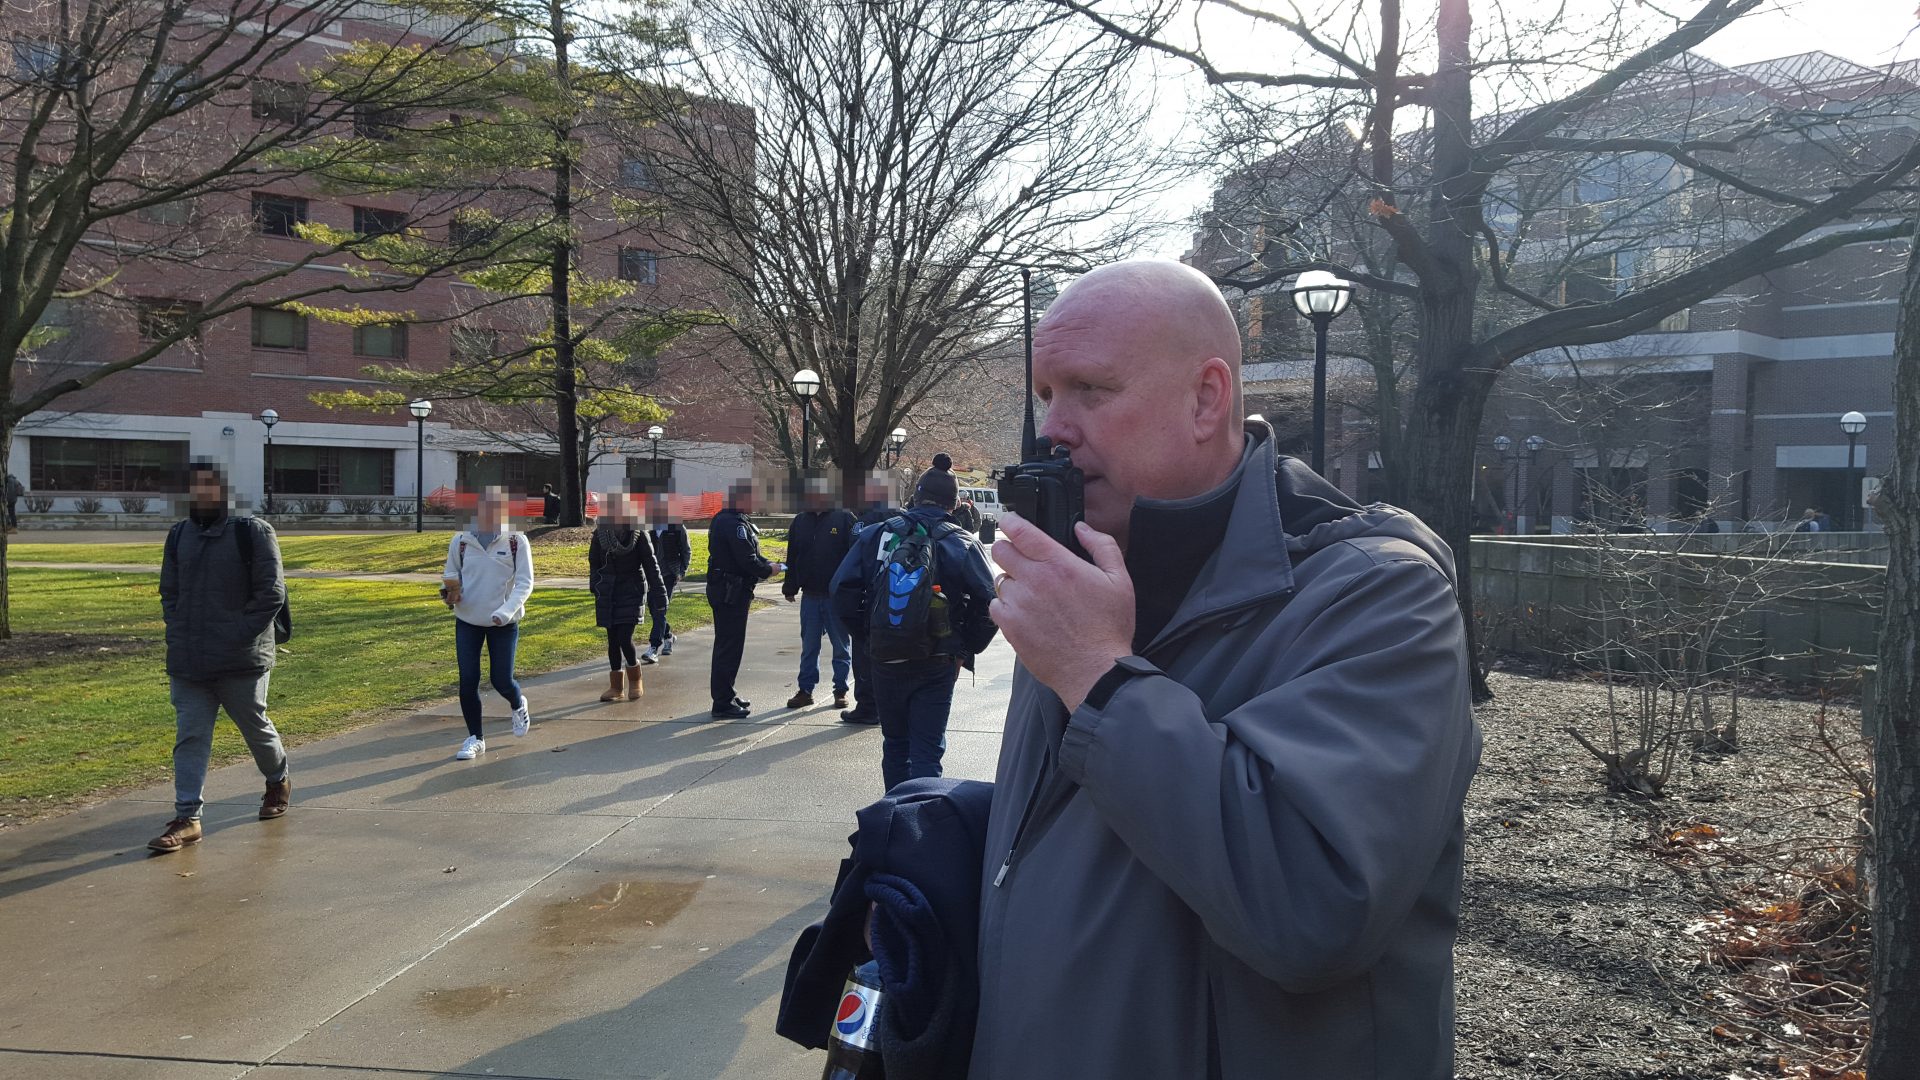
(734, 566)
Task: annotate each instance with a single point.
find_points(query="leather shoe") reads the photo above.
(180, 832)
(274, 802)
(735, 711)
(856, 716)
(800, 700)
(839, 699)
(743, 703)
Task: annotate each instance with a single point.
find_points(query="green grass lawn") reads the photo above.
(395, 553)
(95, 717)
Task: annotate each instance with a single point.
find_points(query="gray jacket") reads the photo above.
(219, 616)
(1247, 864)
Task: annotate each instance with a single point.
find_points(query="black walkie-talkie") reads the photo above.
(1044, 488)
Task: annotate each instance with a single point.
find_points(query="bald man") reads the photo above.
(1226, 832)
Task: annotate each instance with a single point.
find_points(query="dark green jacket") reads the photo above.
(219, 615)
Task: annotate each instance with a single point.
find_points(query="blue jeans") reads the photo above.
(501, 641)
(914, 698)
(816, 615)
(196, 705)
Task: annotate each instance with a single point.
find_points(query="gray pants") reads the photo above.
(196, 704)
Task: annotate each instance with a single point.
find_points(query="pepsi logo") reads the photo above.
(853, 1014)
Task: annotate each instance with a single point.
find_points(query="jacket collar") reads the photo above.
(1251, 564)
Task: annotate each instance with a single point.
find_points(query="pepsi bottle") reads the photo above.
(852, 1050)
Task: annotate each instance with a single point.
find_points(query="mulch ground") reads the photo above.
(1581, 949)
(25, 650)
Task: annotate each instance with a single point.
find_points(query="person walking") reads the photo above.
(878, 511)
(674, 551)
(921, 586)
(622, 574)
(488, 577)
(734, 566)
(14, 490)
(549, 505)
(817, 540)
(222, 597)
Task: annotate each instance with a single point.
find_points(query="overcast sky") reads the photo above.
(1872, 32)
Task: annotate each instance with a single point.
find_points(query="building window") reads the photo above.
(163, 319)
(279, 102)
(279, 215)
(1589, 281)
(386, 341)
(35, 59)
(331, 470)
(472, 230)
(177, 212)
(639, 264)
(473, 344)
(131, 465)
(373, 122)
(368, 221)
(520, 474)
(638, 173)
(277, 329)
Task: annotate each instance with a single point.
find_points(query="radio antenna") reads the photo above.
(1029, 448)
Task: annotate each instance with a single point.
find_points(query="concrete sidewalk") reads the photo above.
(614, 896)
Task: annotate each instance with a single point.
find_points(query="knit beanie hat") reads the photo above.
(937, 486)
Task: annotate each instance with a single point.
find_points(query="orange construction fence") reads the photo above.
(701, 507)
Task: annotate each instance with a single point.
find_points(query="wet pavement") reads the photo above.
(615, 895)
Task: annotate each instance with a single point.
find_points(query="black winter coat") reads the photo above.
(816, 542)
(671, 547)
(623, 575)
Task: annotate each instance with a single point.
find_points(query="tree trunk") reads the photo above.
(1442, 427)
(6, 453)
(1895, 1051)
(573, 498)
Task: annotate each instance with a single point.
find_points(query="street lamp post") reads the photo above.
(1853, 423)
(269, 418)
(420, 409)
(1535, 444)
(654, 435)
(806, 383)
(1504, 447)
(1321, 297)
(896, 441)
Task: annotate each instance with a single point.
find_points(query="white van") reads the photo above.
(984, 499)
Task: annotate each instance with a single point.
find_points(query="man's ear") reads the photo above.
(1213, 403)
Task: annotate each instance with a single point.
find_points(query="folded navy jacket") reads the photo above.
(916, 857)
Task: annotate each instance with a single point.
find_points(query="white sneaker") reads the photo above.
(649, 657)
(521, 721)
(667, 649)
(472, 748)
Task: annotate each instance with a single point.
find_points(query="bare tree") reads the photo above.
(1706, 177)
(130, 135)
(911, 157)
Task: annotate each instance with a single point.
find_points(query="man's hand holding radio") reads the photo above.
(1068, 619)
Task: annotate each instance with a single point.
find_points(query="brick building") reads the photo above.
(1730, 407)
(133, 433)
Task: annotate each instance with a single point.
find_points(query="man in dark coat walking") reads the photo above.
(221, 587)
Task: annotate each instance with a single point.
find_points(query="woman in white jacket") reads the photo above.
(488, 577)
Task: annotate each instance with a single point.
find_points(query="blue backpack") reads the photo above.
(900, 617)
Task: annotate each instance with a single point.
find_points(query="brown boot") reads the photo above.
(274, 802)
(180, 832)
(800, 700)
(839, 699)
(634, 689)
(615, 687)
